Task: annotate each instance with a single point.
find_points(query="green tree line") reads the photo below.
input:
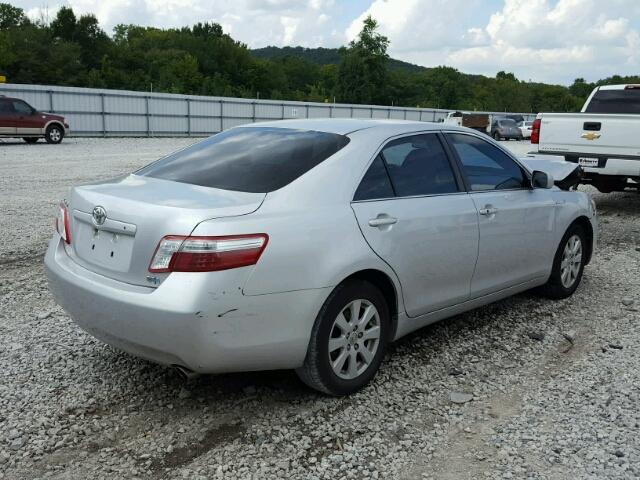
(204, 60)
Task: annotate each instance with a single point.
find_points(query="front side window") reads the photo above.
(250, 159)
(486, 166)
(21, 107)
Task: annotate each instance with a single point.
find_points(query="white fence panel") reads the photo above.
(92, 112)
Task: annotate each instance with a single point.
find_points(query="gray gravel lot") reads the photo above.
(550, 390)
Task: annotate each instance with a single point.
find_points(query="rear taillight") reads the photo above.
(62, 223)
(207, 254)
(535, 131)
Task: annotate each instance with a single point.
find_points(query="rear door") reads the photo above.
(414, 214)
(516, 222)
(7, 118)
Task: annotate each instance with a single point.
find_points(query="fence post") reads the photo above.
(253, 111)
(221, 115)
(51, 101)
(306, 111)
(104, 122)
(146, 114)
(188, 117)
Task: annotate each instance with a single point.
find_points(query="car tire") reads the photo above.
(567, 273)
(54, 134)
(496, 137)
(30, 139)
(346, 368)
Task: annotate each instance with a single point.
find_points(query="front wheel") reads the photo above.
(348, 339)
(496, 137)
(568, 265)
(54, 134)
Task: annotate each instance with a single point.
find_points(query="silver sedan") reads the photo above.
(312, 244)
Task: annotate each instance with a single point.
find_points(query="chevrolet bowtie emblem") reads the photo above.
(590, 136)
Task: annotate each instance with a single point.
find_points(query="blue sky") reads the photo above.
(540, 40)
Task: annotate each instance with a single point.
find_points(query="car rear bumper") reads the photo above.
(183, 321)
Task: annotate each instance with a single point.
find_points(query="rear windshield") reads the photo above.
(251, 159)
(615, 101)
(508, 123)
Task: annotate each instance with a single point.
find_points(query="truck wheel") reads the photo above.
(348, 339)
(31, 139)
(568, 265)
(54, 134)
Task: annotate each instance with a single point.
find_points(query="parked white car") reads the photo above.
(525, 127)
(312, 244)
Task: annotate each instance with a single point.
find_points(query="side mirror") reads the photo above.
(541, 180)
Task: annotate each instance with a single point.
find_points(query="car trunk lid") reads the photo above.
(117, 224)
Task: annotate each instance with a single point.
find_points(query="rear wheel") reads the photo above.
(30, 139)
(348, 339)
(54, 134)
(496, 137)
(568, 265)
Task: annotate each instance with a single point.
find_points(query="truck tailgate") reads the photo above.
(588, 134)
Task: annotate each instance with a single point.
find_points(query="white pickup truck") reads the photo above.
(604, 138)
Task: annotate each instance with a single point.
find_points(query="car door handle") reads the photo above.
(488, 210)
(381, 221)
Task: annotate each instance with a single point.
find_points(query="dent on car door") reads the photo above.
(7, 118)
(413, 214)
(516, 222)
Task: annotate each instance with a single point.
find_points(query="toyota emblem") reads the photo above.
(99, 215)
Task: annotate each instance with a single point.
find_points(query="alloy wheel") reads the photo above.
(354, 339)
(571, 261)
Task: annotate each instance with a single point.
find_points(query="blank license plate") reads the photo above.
(588, 162)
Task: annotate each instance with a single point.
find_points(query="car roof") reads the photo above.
(344, 126)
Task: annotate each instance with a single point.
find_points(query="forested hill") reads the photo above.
(323, 56)
(202, 59)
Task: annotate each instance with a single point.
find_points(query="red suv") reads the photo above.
(19, 119)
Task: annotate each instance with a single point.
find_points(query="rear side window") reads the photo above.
(409, 166)
(252, 159)
(486, 166)
(418, 165)
(615, 101)
(376, 182)
(6, 106)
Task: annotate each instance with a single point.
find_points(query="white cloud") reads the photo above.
(543, 40)
(255, 22)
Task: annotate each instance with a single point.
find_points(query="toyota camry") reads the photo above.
(312, 244)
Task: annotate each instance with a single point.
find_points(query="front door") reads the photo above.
(516, 222)
(414, 214)
(27, 121)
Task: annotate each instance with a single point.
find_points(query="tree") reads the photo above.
(11, 16)
(362, 71)
(64, 25)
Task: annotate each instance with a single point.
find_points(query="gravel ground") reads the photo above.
(524, 388)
